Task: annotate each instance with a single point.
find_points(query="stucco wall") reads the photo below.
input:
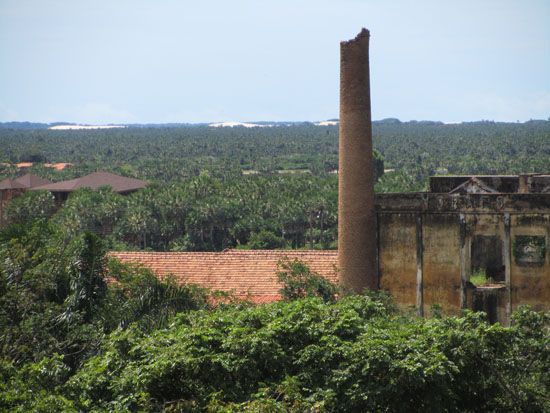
(441, 269)
(530, 284)
(397, 257)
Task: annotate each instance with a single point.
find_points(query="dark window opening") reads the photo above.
(529, 250)
(486, 259)
(487, 301)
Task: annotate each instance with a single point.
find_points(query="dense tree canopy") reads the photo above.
(214, 188)
(168, 154)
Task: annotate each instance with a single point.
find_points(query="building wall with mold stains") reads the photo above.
(397, 257)
(441, 270)
(449, 224)
(531, 283)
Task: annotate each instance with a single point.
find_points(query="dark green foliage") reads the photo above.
(87, 279)
(201, 200)
(88, 210)
(54, 297)
(70, 342)
(265, 240)
(300, 282)
(30, 206)
(138, 296)
(34, 387)
(201, 214)
(163, 154)
(353, 355)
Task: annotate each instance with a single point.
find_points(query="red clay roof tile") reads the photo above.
(249, 274)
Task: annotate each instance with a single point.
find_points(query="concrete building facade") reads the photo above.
(430, 244)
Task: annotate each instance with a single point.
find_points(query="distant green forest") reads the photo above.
(170, 154)
(264, 187)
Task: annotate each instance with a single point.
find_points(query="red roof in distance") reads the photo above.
(31, 180)
(96, 180)
(26, 181)
(10, 184)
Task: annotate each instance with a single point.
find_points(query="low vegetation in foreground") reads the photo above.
(71, 341)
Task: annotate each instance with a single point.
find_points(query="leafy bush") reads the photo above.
(71, 342)
(352, 355)
(31, 206)
(136, 295)
(265, 240)
(299, 281)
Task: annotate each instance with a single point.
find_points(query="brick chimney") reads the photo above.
(356, 215)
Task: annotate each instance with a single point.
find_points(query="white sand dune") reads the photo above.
(75, 127)
(232, 124)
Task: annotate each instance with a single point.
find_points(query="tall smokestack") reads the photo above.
(356, 214)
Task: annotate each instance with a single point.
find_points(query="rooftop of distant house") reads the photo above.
(59, 166)
(96, 180)
(26, 181)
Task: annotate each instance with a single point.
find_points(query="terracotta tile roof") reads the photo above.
(249, 274)
(58, 166)
(96, 180)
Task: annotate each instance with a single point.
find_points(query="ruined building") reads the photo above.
(424, 247)
(430, 244)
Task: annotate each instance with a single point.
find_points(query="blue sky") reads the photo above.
(125, 61)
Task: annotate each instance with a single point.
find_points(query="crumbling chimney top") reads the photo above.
(363, 33)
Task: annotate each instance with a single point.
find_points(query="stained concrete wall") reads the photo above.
(441, 264)
(530, 284)
(448, 226)
(397, 257)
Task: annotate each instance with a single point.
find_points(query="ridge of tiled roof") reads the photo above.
(23, 182)
(10, 184)
(32, 181)
(249, 274)
(96, 180)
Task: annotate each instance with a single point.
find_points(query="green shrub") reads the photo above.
(352, 355)
(265, 240)
(299, 281)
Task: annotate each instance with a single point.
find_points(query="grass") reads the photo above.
(479, 277)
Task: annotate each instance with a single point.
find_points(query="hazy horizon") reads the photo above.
(139, 62)
(262, 121)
